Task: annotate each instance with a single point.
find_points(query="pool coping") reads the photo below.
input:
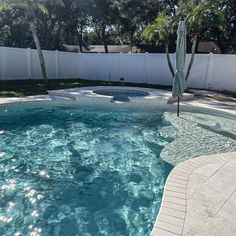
(166, 96)
(171, 218)
(76, 93)
(188, 99)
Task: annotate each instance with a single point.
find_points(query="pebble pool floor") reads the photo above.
(81, 169)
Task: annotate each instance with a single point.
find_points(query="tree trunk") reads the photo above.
(192, 56)
(105, 43)
(106, 47)
(39, 50)
(131, 42)
(56, 38)
(221, 41)
(81, 38)
(80, 44)
(104, 38)
(168, 59)
(48, 34)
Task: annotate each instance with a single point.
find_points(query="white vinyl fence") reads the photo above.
(210, 71)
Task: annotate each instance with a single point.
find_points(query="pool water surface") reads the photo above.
(81, 170)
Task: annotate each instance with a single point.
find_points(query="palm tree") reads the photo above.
(30, 7)
(198, 16)
(161, 30)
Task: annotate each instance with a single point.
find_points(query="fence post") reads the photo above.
(97, 68)
(29, 61)
(79, 60)
(209, 70)
(4, 59)
(56, 63)
(119, 66)
(145, 68)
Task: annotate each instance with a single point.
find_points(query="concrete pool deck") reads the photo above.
(76, 93)
(200, 198)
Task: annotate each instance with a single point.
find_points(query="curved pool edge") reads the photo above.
(79, 93)
(76, 93)
(179, 214)
(12, 100)
(166, 96)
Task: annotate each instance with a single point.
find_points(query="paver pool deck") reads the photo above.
(200, 198)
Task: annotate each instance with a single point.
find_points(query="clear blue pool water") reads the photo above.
(121, 92)
(81, 169)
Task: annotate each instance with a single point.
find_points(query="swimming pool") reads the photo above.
(92, 167)
(74, 169)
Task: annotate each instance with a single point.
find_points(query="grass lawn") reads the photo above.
(22, 88)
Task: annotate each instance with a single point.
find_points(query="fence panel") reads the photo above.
(50, 60)
(14, 64)
(198, 74)
(210, 71)
(158, 71)
(132, 68)
(88, 65)
(35, 65)
(68, 65)
(222, 74)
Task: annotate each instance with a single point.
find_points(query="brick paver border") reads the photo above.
(171, 218)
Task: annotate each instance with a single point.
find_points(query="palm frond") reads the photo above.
(160, 30)
(42, 8)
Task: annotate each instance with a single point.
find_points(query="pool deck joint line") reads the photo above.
(199, 198)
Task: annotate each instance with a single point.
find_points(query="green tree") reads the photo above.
(4, 34)
(124, 20)
(72, 22)
(225, 36)
(31, 7)
(104, 16)
(161, 30)
(134, 16)
(228, 41)
(199, 16)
